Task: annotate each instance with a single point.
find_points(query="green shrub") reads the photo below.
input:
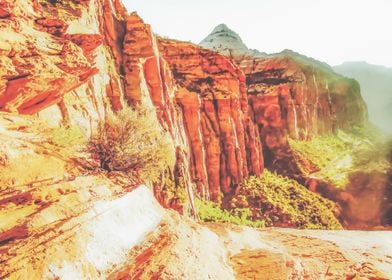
(320, 150)
(280, 201)
(174, 191)
(211, 212)
(133, 141)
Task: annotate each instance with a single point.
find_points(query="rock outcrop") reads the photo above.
(39, 62)
(62, 60)
(243, 253)
(55, 214)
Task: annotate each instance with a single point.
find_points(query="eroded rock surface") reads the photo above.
(189, 250)
(62, 60)
(39, 65)
(224, 141)
(198, 92)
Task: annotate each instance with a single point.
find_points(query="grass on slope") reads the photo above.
(273, 200)
(211, 212)
(281, 201)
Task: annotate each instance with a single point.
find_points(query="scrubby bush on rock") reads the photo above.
(132, 141)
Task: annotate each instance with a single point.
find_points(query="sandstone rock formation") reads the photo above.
(198, 92)
(206, 102)
(62, 60)
(39, 64)
(224, 141)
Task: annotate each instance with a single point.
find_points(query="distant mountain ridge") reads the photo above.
(227, 42)
(375, 80)
(291, 95)
(376, 88)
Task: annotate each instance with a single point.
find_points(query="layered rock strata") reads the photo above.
(93, 59)
(224, 141)
(199, 92)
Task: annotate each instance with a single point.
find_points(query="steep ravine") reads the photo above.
(218, 117)
(291, 95)
(72, 64)
(296, 100)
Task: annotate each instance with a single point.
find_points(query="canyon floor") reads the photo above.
(222, 252)
(183, 249)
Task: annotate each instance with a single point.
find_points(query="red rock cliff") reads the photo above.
(92, 59)
(212, 93)
(297, 97)
(149, 82)
(202, 93)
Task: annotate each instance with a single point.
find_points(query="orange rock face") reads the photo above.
(53, 26)
(294, 96)
(211, 93)
(149, 82)
(112, 28)
(219, 114)
(224, 141)
(4, 10)
(35, 75)
(88, 43)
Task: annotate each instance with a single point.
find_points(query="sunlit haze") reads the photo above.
(333, 31)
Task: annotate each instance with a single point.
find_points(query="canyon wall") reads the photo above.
(105, 59)
(224, 141)
(93, 59)
(291, 95)
(294, 96)
(72, 63)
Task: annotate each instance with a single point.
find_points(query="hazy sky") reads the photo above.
(329, 30)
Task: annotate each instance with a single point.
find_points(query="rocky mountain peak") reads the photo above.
(227, 42)
(224, 32)
(224, 40)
